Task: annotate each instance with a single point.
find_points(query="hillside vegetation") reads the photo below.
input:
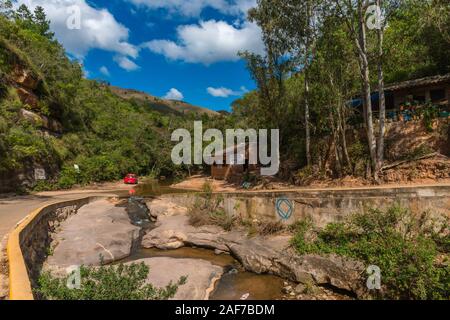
(158, 104)
(319, 56)
(52, 118)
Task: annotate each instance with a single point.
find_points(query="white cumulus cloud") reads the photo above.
(209, 42)
(223, 92)
(193, 8)
(99, 29)
(174, 94)
(126, 63)
(104, 70)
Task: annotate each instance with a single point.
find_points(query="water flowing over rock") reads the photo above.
(138, 211)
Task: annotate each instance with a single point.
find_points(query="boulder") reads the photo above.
(99, 231)
(201, 276)
(261, 255)
(164, 207)
(173, 232)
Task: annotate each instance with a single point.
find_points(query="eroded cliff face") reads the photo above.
(29, 90)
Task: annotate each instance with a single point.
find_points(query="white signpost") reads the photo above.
(39, 174)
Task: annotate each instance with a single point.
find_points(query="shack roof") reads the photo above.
(422, 82)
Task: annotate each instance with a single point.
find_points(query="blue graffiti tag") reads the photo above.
(285, 208)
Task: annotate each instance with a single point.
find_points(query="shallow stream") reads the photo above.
(236, 283)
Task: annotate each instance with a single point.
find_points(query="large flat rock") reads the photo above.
(201, 275)
(99, 229)
(173, 232)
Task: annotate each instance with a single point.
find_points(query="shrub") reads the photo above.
(269, 228)
(68, 178)
(122, 282)
(406, 247)
(207, 210)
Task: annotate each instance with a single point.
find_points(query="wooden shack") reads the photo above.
(435, 89)
(220, 170)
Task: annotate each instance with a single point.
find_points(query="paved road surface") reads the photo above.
(14, 209)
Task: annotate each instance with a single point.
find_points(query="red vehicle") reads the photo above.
(131, 179)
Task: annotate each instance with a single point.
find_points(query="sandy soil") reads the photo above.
(197, 182)
(346, 183)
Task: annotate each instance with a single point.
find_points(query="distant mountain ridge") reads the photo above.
(159, 104)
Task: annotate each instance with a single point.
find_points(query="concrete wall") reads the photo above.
(29, 241)
(4, 273)
(327, 206)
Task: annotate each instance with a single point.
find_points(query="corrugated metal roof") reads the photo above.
(434, 80)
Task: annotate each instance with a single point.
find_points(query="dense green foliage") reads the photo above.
(416, 44)
(103, 134)
(411, 251)
(122, 282)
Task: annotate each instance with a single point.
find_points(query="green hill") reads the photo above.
(158, 104)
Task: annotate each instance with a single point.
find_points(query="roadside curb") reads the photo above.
(20, 287)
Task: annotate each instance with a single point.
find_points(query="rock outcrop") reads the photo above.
(25, 78)
(201, 276)
(100, 230)
(271, 255)
(173, 232)
(165, 207)
(28, 97)
(42, 121)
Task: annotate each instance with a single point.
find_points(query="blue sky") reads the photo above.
(180, 49)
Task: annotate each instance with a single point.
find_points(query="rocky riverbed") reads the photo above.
(261, 255)
(110, 231)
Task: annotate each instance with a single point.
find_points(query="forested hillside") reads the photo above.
(52, 118)
(322, 54)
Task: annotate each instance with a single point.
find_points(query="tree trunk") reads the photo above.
(382, 132)
(343, 129)
(308, 131)
(366, 87)
(307, 52)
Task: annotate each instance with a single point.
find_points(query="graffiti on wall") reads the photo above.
(284, 208)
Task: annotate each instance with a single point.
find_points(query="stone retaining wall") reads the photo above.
(4, 274)
(327, 206)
